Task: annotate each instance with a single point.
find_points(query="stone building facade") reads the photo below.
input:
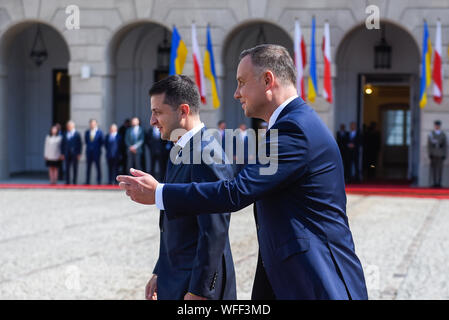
(118, 40)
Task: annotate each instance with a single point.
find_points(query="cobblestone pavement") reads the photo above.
(61, 244)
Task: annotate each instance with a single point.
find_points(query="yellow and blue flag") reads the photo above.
(209, 70)
(178, 54)
(426, 76)
(312, 88)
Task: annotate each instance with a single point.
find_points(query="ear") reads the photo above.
(268, 78)
(185, 110)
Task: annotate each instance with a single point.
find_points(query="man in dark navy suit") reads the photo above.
(112, 143)
(93, 138)
(305, 244)
(195, 260)
(71, 151)
(353, 150)
(158, 152)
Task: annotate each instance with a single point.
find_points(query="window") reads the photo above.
(398, 127)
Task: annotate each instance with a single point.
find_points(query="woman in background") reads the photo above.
(52, 153)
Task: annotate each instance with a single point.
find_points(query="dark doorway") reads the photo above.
(61, 96)
(387, 121)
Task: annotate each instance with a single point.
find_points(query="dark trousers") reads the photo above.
(436, 169)
(162, 164)
(112, 169)
(91, 160)
(262, 289)
(353, 161)
(71, 161)
(134, 161)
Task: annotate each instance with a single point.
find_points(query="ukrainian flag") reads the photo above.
(178, 54)
(426, 76)
(312, 87)
(209, 70)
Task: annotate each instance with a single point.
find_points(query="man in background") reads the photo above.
(93, 138)
(123, 163)
(112, 143)
(134, 140)
(158, 152)
(342, 141)
(353, 150)
(71, 151)
(436, 148)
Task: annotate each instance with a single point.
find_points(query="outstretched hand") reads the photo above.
(140, 187)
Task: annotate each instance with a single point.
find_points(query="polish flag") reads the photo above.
(327, 86)
(437, 70)
(300, 60)
(197, 66)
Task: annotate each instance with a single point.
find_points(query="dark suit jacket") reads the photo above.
(195, 254)
(71, 147)
(93, 148)
(304, 237)
(157, 146)
(112, 146)
(342, 140)
(131, 140)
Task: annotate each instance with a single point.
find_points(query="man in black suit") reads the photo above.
(342, 141)
(93, 138)
(71, 151)
(122, 147)
(195, 260)
(353, 150)
(112, 143)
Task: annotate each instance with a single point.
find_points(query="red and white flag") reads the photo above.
(198, 66)
(300, 60)
(437, 74)
(327, 85)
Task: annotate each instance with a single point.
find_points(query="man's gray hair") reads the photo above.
(274, 58)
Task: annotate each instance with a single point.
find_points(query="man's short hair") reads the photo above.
(274, 58)
(178, 89)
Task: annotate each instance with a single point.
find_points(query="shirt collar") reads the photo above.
(188, 135)
(278, 110)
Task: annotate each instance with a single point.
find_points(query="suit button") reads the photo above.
(257, 226)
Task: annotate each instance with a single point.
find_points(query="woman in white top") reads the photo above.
(52, 153)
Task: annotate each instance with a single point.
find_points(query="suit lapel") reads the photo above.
(173, 169)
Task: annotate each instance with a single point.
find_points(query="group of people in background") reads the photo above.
(354, 144)
(124, 148)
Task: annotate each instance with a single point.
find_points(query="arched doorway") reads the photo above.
(244, 37)
(33, 96)
(139, 55)
(387, 96)
(135, 67)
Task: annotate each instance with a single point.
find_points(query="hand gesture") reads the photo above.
(141, 187)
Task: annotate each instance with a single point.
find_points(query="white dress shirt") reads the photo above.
(182, 143)
(278, 111)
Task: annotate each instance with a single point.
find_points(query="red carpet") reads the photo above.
(398, 191)
(57, 186)
(362, 189)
